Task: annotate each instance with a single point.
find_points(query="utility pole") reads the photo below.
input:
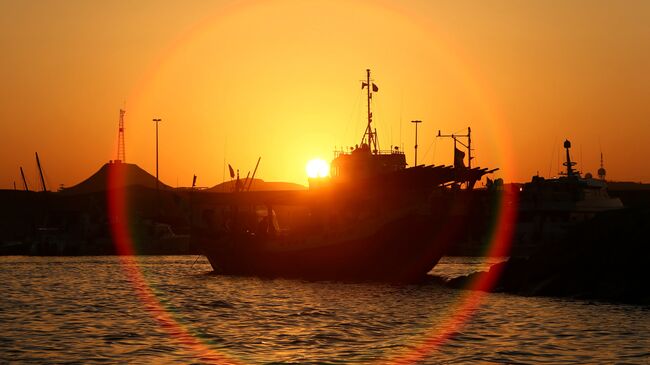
(157, 120)
(416, 122)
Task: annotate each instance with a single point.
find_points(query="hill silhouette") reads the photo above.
(130, 174)
(256, 185)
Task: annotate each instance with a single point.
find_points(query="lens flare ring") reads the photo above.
(499, 240)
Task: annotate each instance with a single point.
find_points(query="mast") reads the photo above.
(469, 147)
(569, 165)
(456, 141)
(24, 180)
(254, 171)
(121, 150)
(40, 171)
(416, 122)
(370, 136)
(601, 170)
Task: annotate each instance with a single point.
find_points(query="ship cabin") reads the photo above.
(361, 162)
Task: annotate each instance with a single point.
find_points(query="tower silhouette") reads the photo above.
(601, 171)
(121, 153)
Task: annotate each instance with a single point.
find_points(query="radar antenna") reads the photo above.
(569, 164)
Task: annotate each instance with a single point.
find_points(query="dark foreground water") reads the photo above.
(86, 310)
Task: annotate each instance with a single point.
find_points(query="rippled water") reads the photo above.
(86, 309)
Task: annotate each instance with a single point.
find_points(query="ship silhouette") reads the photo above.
(550, 208)
(374, 218)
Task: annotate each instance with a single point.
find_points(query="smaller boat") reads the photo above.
(548, 208)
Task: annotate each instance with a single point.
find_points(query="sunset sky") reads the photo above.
(281, 79)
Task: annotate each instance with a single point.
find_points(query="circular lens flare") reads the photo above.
(499, 238)
(317, 167)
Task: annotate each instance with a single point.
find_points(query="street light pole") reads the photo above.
(157, 120)
(416, 122)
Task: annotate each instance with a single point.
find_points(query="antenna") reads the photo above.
(416, 122)
(569, 164)
(601, 170)
(370, 135)
(121, 149)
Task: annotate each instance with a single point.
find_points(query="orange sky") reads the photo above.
(281, 79)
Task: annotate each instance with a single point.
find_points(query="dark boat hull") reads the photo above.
(402, 250)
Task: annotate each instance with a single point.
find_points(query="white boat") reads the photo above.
(548, 208)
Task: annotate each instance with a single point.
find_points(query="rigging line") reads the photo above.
(550, 165)
(559, 150)
(435, 146)
(223, 170)
(401, 109)
(362, 118)
(352, 119)
(433, 141)
(380, 120)
(581, 165)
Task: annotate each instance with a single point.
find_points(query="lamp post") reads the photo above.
(157, 120)
(416, 122)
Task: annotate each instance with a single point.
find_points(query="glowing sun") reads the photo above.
(317, 168)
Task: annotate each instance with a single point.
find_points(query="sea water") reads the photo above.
(172, 310)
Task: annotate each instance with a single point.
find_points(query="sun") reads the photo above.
(317, 167)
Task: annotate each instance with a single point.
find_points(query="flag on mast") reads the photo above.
(375, 88)
(458, 158)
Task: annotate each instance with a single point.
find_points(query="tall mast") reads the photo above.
(40, 171)
(601, 170)
(416, 122)
(24, 180)
(370, 136)
(121, 148)
(469, 147)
